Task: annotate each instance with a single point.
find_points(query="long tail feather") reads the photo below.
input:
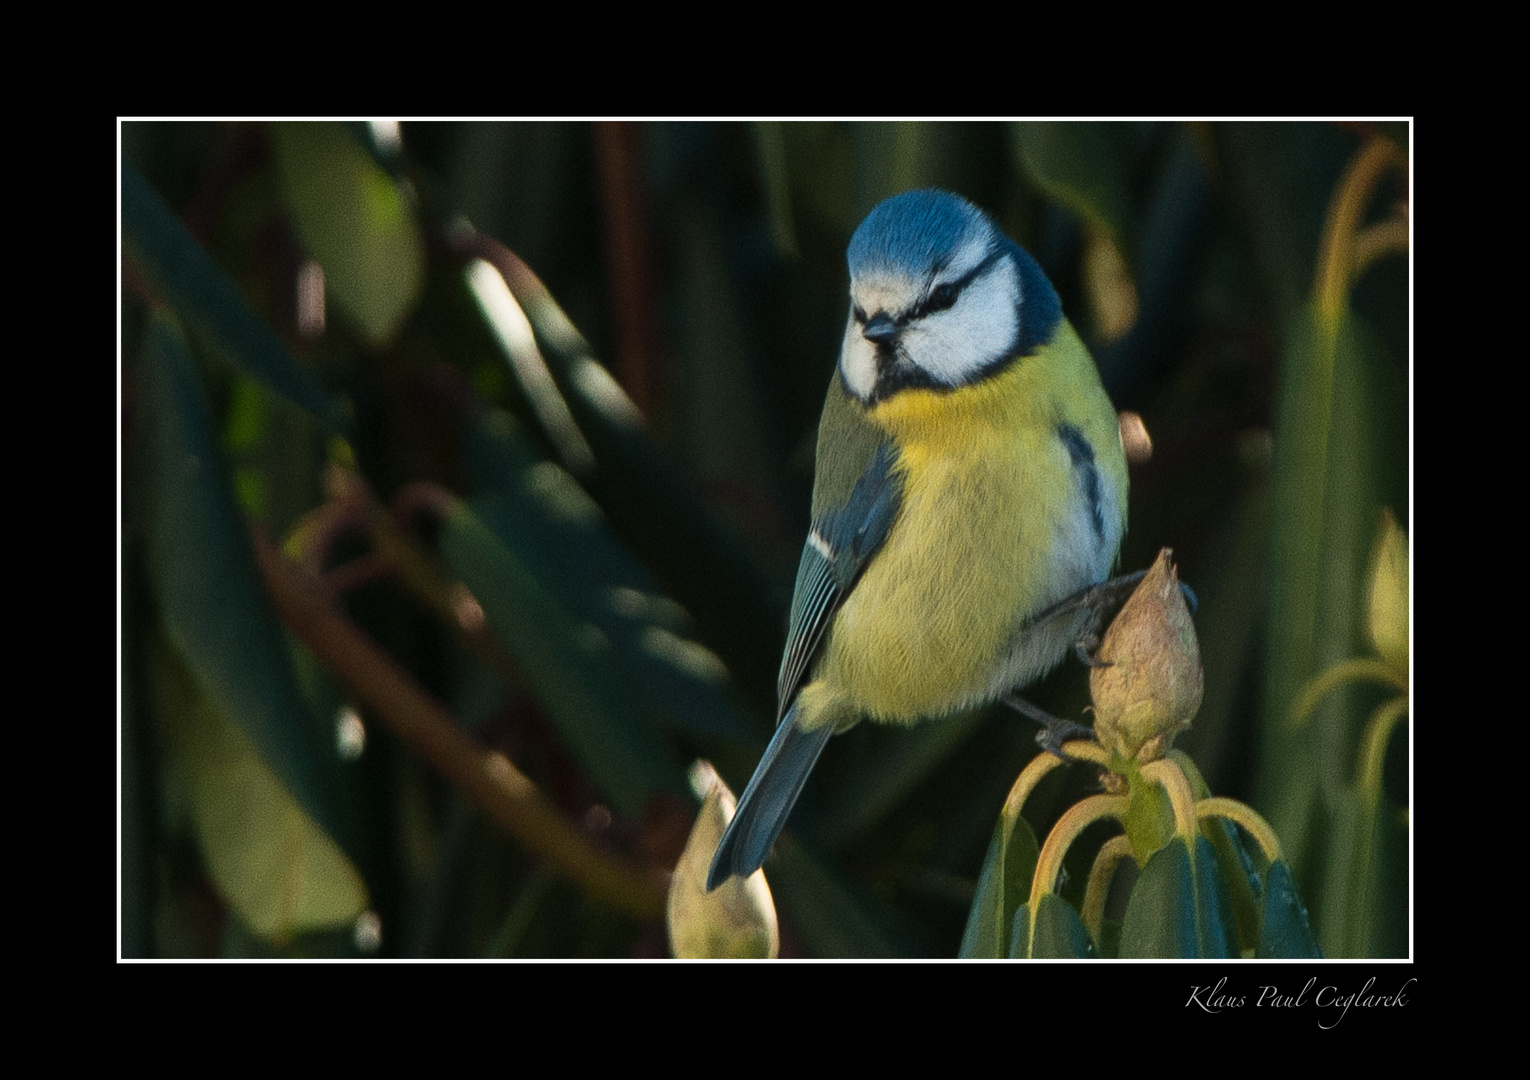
(769, 798)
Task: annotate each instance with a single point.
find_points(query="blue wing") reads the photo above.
(840, 544)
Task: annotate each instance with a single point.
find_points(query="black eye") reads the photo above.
(942, 297)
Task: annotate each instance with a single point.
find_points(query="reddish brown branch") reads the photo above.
(619, 155)
(485, 777)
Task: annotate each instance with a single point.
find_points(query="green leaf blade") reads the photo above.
(1178, 908)
(539, 508)
(203, 575)
(1363, 914)
(181, 272)
(279, 871)
(1003, 886)
(1086, 167)
(1335, 467)
(566, 661)
(355, 220)
(1058, 934)
(1285, 932)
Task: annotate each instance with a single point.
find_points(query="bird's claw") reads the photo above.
(1083, 648)
(1054, 730)
(1053, 735)
(1099, 604)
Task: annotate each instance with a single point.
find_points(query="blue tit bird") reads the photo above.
(970, 480)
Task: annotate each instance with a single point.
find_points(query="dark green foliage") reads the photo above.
(179, 270)
(1284, 932)
(1057, 935)
(1178, 906)
(204, 580)
(1002, 889)
(1196, 898)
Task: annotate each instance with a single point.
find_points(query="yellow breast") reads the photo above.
(989, 534)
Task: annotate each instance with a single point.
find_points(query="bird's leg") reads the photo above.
(1100, 602)
(1055, 730)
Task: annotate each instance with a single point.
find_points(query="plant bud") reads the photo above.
(1152, 688)
(1387, 607)
(737, 920)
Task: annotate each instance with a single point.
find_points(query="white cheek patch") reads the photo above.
(858, 362)
(954, 345)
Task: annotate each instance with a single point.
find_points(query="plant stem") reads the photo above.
(1026, 783)
(1171, 778)
(1364, 667)
(1337, 262)
(1075, 820)
(485, 777)
(1100, 876)
(1373, 746)
(1241, 814)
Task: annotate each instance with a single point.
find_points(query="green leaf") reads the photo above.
(832, 920)
(1238, 874)
(356, 221)
(654, 508)
(1088, 168)
(183, 275)
(1003, 886)
(139, 861)
(722, 419)
(280, 872)
(566, 660)
(539, 509)
(879, 783)
(204, 578)
(1338, 459)
(1284, 931)
(895, 156)
(770, 150)
(1278, 179)
(1059, 933)
(1397, 131)
(1178, 907)
(1365, 885)
(278, 455)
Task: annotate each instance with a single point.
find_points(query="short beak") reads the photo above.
(880, 329)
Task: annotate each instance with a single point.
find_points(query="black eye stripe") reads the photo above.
(946, 294)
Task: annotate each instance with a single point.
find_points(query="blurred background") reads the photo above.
(465, 468)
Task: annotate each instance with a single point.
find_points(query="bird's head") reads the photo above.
(939, 298)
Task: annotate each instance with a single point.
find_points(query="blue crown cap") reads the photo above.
(913, 234)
